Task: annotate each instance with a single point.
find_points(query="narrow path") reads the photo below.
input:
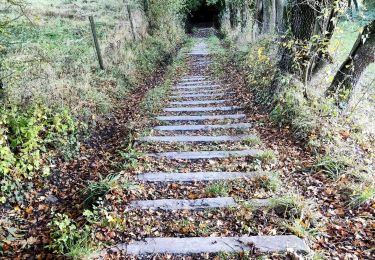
(202, 148)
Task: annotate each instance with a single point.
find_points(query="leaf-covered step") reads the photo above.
(200, 102)
(180, 204)
(200, 118)
(206, 154)
(194, 82)
(195, 87)
(201, 127)
(200, 109)
(210, 91)
(212, 95)
(193, 78)
(195, 176)
(199, 245)
(196, 138)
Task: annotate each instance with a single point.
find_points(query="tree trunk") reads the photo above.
(361, 55)
(325, 29)
(302, 22)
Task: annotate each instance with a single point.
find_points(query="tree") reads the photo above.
(361, 55)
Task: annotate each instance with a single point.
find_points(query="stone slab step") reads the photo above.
(195, 138)
(200, 118)
(196, 176)
(201, 127)
(200, 245)
(194, 78)
(205, 154)
(200, 91)
(200, 102)
(200, 109)
(198, 53)
(202, 95)
(176, 204)
(178, 87)
(197, 82)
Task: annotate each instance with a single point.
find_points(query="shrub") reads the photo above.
(25, 136)
(68, 239)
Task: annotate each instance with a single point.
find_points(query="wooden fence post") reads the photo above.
(96, 42)
(131, 21)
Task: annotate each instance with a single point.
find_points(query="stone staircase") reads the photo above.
(197, 114)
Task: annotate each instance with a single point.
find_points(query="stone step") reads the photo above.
(176, 204)
(207, 82)
(205, 154)
(202, 95)
(200, 102)
(192, 87)
(201, 127)
(193, 78)
(195, 138)
(200, 109)
(200, 118)
(200, 91)
(198, 53)
(200, 245)
(196, 176)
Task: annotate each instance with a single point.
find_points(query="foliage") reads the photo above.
(271, 182)
(97, 189)
(25, 136)
(69, 239)
(333, 166)
(217, 189)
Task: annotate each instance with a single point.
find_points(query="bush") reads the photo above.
(24, 137)
(68, 239)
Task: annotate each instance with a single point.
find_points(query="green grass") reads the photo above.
(252, 141)
(217, 189)
(332, 165)
(362, 195)
(271, 182)
(267, 156)
(288, 205)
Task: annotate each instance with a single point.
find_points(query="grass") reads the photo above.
(252, 141)
(217, 189)
(362, 195)
(332, 165)
(289, 205)
(129, 158)
(267, 156)
(301, 229)
(98, 189)
(271, 182)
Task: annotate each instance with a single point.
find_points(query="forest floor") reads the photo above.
(298, 200)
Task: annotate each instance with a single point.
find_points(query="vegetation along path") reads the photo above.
(202, 199)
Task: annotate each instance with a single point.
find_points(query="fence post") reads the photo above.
(131, 21)
(145, 6)
(96, 42)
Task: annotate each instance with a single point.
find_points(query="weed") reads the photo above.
(271, 182)
(289, 205)
(98, 189)
(101, 216)
(333, 166)
(301, 229)
(362, 195)
(267, 156)
(217, 189)
(129, 158)
(69, 239)
(252, 141)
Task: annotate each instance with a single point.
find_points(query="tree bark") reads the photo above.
(361, 55)
(302, 23)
